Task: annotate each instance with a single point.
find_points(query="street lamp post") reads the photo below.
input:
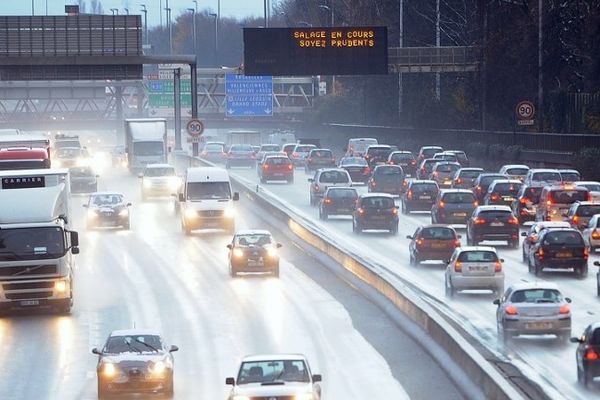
(169, 27)
(193, 11)
(332, 24)
(216, 16)
(115, 11)
(126, 11)
(145, 11)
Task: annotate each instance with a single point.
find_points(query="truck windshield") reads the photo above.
(31, 243)
(208, 190)
(148, 148)
(159, 172)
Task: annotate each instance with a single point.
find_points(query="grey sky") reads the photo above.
(233, 8)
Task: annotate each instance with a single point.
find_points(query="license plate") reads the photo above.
(30, 302)
(438, 245)
(343, 210)
(462, 214)
(564, 254)
(477, 268)
(538, 325)
(255, 264)
(447, 182)
(424, 197)
(379, 217)
(508, 198)
(497, 224)
(278, 174)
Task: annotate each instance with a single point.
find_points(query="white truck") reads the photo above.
(36, 244)
(252, 138)
(146, 142)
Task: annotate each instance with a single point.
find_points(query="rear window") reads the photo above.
(428, 164)
(304, 149)
(378, 202)
(567, 196)
(517, 171)
(595, 339)
(495, 214)
(588, 211)
(334, 177)
(213, 148)
(388, 171)
(241, 147)
(477, 256)
(269, 147)
(461, 156)
(402, 157)
(424, 187)
(470, 174)
(512, 188)
(447, 168)
(487, 180)
(278, 160)
(563, 237)
(546, 176)
(353, 161)
(321, 154)
(446, 157)
(570, 176)
(536, 296)
(430, 152)
(342, 193)
(379, 152)
(456, 198)
(533, 193)
(438, 233)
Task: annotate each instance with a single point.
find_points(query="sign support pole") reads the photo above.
(194, 93)
(177, 104)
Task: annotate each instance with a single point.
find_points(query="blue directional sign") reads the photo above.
(248, 96)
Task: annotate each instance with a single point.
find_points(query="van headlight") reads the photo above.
(174, 183)
(238, 252)
(190, 213)
(304, 396)
(124, 213)
(109, 369)
(60, 286)
(92, 214)
(272, 252)
(240, 397)
(147, 183)
(229, 212)
(158, 368)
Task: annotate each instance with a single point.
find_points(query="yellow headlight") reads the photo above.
(109, 369)
(159, 368)
(303, 396)
(229, 212)
(124, 213)
(240, 397)
(60, 286)
(272, 252)
(92, 214)
(190, 214)
(238, 253)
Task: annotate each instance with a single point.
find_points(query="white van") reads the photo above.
(206, 200)
(282, 138)
(357, 147)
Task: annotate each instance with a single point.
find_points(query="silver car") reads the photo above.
(533, 308)
(474, 268)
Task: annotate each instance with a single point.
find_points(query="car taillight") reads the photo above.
(475, 203)
(327, 200)
(366, 171)
(295, 155)
(204, 153)
(478, 188)
(310, 160)
(511, 310)
(456, 243)
(394, 211)
(564, 309)
(498, 266)
(479, 221)
(575, 219)
(524, 200)
(586, 253)
(409, 195)
(317, 187)
(373, 183)
(541, 253)
(361, 211)
(290, 167)
(442, 204)
(457, 266)
(333, 160)
(589, 196)
(459, 180)
(513, 221)
(549, 202)
(419, 242)
(413, 162)
(494, 197)
(591, 355)
(595, 234)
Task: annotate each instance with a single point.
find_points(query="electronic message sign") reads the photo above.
(315, 51)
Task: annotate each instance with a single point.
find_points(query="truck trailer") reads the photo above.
(146, 142)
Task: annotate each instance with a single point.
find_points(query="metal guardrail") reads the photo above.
(433, 59)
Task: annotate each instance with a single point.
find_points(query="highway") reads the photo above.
(546, 361)
(153, 276)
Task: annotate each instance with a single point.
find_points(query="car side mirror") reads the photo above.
(502, 260)
(447, 261)
(229, 246)
(140, 175)
(409, 237)
(236, 196)
(128, 204)
(317, 378)
(181, 198)
(496, 302)
(85, 206)
(173, 348)
(459, 236)
(97, 176)
(74, 238)
(597, 263)
(524, 234)
(229, 381)
(575, 340)
(96, 351)
(74, 250)
(568, 299)
(279, 245)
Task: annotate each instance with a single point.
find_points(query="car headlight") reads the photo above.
(159, 368)
(124, 213)
(109, 369)
(272, 252)
(82, 162)
(190, 213)
(238, 252)
(146, 183)
(174, 183)
(304, 396)
(229, 212)
(60, 286)
(92, 214)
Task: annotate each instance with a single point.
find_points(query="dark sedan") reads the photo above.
(107, 209)
(419, 196)
(240, 155)
(253, 251)
(357, 167)
(319, 158)
(338, 201)
(375, 211)
(387, 179)
(432, 242)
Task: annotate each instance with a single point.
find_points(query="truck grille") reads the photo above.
(28, 285)
(28, 296)
(28, 270)
(273, 398)
(211, 213)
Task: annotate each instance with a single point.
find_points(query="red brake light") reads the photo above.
(458, 266)
(366, 170)
(394, 211)
(494, 197)
(475, 203)
(294, 154)
(459, 180)
(524, 200)
(595, 234)
(361, 211)
(413, 162)
(575, 219)
(541, 253)
(591, 354)
(327, 200)
(456, 243)
(498, 266)
(564, 309)
(435, 173)
(373, 183)
(479, 221)
(317, 187)
(586, 253)
(513, 221)
(290, 167)
(442, 204)
(549, 202)
(410, 195)
(511, 310)
(265, 166)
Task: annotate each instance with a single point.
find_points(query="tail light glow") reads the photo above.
(564, 309)
(513, 221)
(394, 211)
(511, 310)
(327, 200)
(595, 234)
(457, 266)
(541, 253)
(591, 354)
(442, 204)
(457, 243)
(361, 211)
(409, 195)
(498, 266)
(479, 221)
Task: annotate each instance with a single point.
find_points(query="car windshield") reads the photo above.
(424, 187)
(536, 296)
(460, 155)
(334, 177)
(438, 233)
(241, 148)
(208, 190)
(546, 176)
(563, 237)
(353, 161)
(81, 172)
(133, 344)
(31, 243)
(269, 147)
(567, 196)
(273, 371)
(214, 148)
(507, 188)
(378, 202)
(570, 176)
(106, 199)
(478, 256)
(517, 171)
(278, 160)
(470, 174)
(166, 171)
(254, 239)
(452, 198)
(342, 193)
(148, 148)
(321, 154)
(588, 210)
(388, 171)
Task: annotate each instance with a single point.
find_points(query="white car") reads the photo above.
(275, 376)
(514, 171)
(159, 180)
(474, 268)
(593, 187)
(591, 234)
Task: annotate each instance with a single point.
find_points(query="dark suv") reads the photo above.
(375, 211)
(453, 206)
(404, 159)
(525, 205)
(502, 192)
(319, 158)
(377, 154)
(561, 249)
(338, 201)
(483, 182)
(493, 223)
(587, 355)
(387, 179)
(419, 196)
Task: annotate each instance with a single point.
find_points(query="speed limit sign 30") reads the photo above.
(525, 111)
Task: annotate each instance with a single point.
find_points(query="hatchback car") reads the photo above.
(107, 209)
(300, 153)
(276, 168)
(377, 154)
(275, 376)
(525, 204)
(432, 242)
(214, 152)
(591, 234)
(425, 167)
(502, 192)
(474, 268)
(253, 251)
(483, 182)
(543, 177)
(83, 180)
(463, 160)
(556, 200)
(240, 155)
(375, 211)
(465, 178)
(569, 175)
(357, 167)
(387, 179)
(420, 195)
(587, 355)
(559, 249)
(404, 159)
(324, 178)
(581, 212)
(443, 172)
(338, 201)
(514, 171)
(533, 308)
(493, 223)
(267, 148)
(593, 187)
(135, 361)
(159, 180)
(533, 234)
(319, 158)
(428, 152)
(453, 206)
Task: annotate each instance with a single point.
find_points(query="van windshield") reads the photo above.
(208, 190)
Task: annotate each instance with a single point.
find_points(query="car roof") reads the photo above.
(515, 181)
(332, 169)
(446, 163)
(320, 149)
(507, 166)
(494, 208)
(544, 170)
(401, 152)
(340, 188)
(587, 183)
(438, 226)
(383, 166)
(455, 151)
(568, 170)
(269, 357)
(471, 169)
(424, 181)
(269, 144)
(107, 194)
(553, 224)
(252, 232)
(476, 248)
(587, 203)
(379, 146)
(362, 139)
(133, 332)
(370, 195)
(444, 191)
(200, 174)
(533, 285)
(430, 147)
(150, 166)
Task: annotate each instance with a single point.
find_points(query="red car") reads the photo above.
(276, 168)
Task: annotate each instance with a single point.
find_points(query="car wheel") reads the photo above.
(563, 338)
(404, 209)
(413, 260)
(394, 229)
(324, 216)
(469, 239)
(582, 272)
(537, 269)
(169, 389)
(598, 284)
(291, 180)
(186, 229)
(579, 375)
(499, 291)
(433, 218)
(232, 271)
(514, 244)
(263, 180)
(523, 256)
(587, 379)
(530, 266)
(127, 225)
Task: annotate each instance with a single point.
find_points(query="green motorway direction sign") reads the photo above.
(160, 93)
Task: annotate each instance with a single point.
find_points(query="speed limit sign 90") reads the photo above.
(525, 110)
(195, 128)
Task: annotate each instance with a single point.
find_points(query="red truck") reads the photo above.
(23, 158)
